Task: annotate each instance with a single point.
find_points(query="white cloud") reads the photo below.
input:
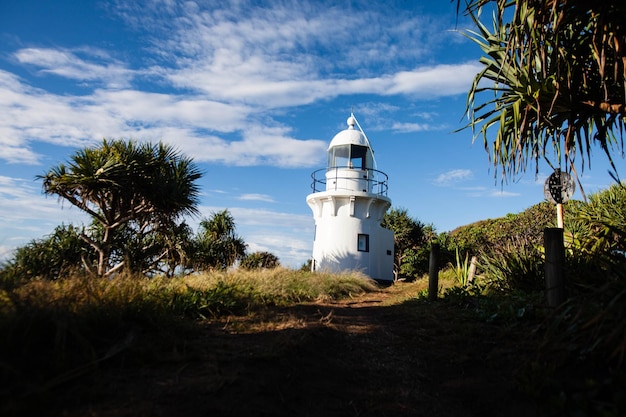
(216, 73)
(288, 55)
(413, 127)
(484, 192)
(25, 214)
(436, 81)
(503, 194)
(190, 123)
(286, 235)
(256, 197)
(69, 64)
(453, 177)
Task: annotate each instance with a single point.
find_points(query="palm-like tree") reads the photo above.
(122, 184)
(553, 81)
(218, 246)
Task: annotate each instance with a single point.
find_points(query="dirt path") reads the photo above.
(362, 357)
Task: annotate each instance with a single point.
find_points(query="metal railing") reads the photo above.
(377, 181)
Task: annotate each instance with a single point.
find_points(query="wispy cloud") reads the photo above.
(484, 192)
(256, 197)
(197, 126)
(216, 76)
(453, 177)
(97, 65)
(434, 81)
(277, 232)
(25, 215)
(503, 194)
(414, 127)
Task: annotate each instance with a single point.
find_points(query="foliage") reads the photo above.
(518, 267)
(158, 252)
(217, 246)
(496, 235)
(55, 256)
(55, 331)
(461, 269)
(142, 188)
(580, 368)
(410, 238)
(306, 266)
(259, 260)
(553, 80)
(600, 228)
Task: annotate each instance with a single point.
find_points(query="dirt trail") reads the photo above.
(361, 357)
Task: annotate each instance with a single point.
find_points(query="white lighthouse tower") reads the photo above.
(349, 201)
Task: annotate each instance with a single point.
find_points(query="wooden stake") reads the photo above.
(433, 272)
(555, 259)
(559, 215)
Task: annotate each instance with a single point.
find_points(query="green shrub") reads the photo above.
(495, 235)
(596, 237)
(518, 267)
(56, 256)
(259, 260)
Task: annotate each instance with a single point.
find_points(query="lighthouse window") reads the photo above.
(339, 156)
(363, 243)
(353, 156)
(357, 156)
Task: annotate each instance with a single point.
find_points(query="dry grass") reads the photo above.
(56, 332)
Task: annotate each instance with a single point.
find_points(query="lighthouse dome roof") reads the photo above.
(349, 136)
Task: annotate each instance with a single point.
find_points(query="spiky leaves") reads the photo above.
(218, 246)
(553, 83)
(124, 184)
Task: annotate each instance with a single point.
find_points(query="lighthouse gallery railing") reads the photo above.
(377, 180)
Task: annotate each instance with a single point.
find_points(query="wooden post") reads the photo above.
(559, 215)
(555, 257)
(433, 272)
(472, 270)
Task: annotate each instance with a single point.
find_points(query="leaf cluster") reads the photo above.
(126, 186)
(411, 238)
(553, 81)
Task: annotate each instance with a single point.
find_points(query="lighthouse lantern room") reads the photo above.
(349, 201)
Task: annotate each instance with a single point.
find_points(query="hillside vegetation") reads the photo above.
(274, 341)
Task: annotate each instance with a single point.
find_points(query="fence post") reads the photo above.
(433, 272)
(472, 270)
(555, 257)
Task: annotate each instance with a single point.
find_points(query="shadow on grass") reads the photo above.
(351, 358)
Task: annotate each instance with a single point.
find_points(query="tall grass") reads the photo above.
(56, 331)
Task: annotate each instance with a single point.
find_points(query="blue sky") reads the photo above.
(254, 91)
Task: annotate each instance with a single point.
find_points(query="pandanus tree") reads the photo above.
(217, 245)
(553, 83)
(125, 186)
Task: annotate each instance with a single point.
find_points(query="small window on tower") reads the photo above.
(363, 243)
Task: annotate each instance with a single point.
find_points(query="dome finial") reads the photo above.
(351, 121)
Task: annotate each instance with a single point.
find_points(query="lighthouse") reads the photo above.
(349, 201)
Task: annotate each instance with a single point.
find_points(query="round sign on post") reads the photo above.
(559, 187)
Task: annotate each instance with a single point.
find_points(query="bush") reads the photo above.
(493, 236)
(517, 267)
(259, 260)
(56, 256)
